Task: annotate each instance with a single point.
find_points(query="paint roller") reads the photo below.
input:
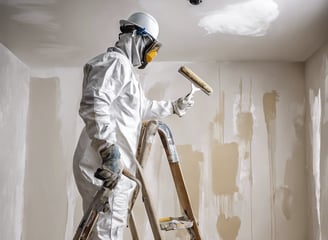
(196, 82)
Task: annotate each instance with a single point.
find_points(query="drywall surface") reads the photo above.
(241, 151)
(51, 195)
(14, 88)
(316, 72)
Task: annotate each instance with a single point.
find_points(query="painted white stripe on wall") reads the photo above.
(325, 77)
(315, 106)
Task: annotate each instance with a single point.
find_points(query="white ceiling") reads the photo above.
(69, 32)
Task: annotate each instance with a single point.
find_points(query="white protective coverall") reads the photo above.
(113, 107)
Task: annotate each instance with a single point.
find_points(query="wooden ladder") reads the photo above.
(187, 220)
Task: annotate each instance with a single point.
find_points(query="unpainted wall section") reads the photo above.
(316, 140)
(14, 94)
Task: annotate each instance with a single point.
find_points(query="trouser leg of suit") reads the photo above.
(111, 224)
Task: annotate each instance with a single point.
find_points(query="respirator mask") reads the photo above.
(149, 52)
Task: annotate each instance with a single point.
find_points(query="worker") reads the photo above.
(113, 107)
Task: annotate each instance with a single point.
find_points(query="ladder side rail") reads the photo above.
(148, 132)
(90, 218)
(173, 159)
(133, 227)
(146, 138)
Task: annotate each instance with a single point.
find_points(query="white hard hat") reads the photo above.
(143, 20)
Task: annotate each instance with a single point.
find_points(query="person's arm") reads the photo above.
(157, 109)
(103, 83)
(160, 109)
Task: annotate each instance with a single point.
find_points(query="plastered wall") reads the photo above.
(51, 196)
(241, 149)
(316, 140)
(14, 98)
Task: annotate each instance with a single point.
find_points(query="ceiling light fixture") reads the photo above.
(195, 2)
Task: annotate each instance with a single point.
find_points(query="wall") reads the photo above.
(316, 138)
(14, 89)
(241, 150)
(51, 195)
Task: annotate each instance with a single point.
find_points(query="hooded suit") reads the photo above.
(113, 107)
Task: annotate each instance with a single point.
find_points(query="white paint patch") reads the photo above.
(251, 18)
(325, 77)
(236, 110)
(226, 203)
(315, 107)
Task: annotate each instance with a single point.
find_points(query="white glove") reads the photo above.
(182, 105)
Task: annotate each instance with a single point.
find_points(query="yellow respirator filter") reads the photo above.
(151, 55)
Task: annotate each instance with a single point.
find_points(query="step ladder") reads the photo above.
(186, 221)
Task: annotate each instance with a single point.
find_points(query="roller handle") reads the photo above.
(192, 92)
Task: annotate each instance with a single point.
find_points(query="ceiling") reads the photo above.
(69, 32)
